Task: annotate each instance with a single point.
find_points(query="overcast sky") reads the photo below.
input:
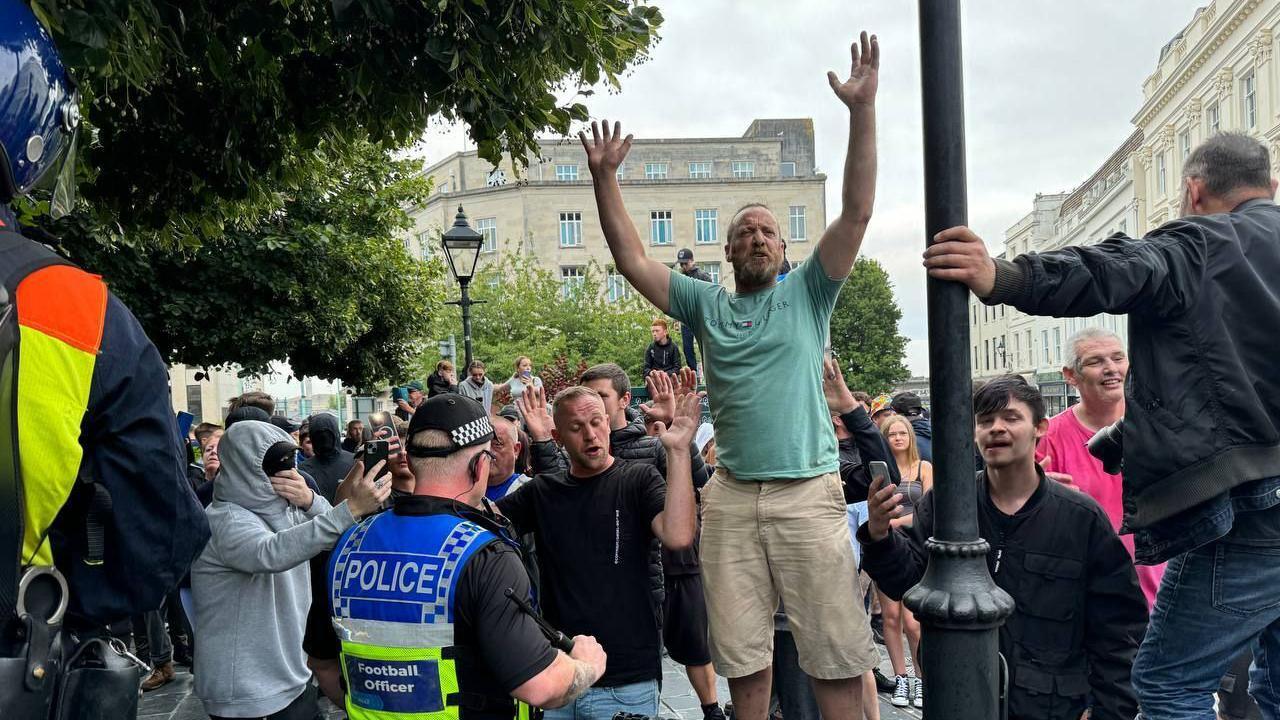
(1050, 88)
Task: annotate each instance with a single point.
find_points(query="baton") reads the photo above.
(558, 639)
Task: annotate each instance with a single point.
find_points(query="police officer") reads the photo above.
(93, 494)
(427, 597)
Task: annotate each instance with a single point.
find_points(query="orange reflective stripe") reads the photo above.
(61, 315)
(66, 303)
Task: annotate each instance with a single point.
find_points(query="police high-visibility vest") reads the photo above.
(61, 312)
(392, 580)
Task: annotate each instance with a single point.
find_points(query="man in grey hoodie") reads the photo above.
(251, 585)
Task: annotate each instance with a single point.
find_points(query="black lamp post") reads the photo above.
(462, 247)
(957, 603)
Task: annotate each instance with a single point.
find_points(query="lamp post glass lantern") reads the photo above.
(462, 247)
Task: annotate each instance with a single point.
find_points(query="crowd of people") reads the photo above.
(488, 549)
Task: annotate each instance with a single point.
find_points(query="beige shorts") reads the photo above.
(788, 540)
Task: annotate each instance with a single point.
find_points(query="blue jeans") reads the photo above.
(602, 703)
(1214, 602)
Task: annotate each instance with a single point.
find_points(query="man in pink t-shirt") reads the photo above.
(1096, 367)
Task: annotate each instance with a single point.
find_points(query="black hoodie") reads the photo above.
(330, 463)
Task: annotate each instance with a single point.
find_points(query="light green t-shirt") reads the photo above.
(764, 371)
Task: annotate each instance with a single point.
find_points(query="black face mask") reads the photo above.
(279, 458)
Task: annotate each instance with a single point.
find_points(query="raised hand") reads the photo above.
(367, 492)
(606, 150)
(501, 397)
(662, 398)
(860, 88)
(532, 404)
(834, 389)
(883, 506)
(688, 380)
(684, 426)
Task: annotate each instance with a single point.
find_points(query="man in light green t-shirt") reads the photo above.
(774, 523)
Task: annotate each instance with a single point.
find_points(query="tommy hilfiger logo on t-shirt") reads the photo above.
(746, 324)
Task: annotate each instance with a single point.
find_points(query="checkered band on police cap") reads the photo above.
(462, 418)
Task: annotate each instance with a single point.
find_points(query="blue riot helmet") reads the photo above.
(39, 110)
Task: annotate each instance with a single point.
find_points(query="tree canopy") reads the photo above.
(240, 179)
(864, 330)
(529, 313)
(325, 283)
(206, 114)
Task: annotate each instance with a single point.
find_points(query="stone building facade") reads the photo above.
(1216, 74)
(681, 193)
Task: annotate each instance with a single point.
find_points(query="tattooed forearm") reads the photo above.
(583, 678)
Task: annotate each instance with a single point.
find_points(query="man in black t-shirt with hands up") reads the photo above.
(593, 526)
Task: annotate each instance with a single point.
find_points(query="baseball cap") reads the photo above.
(511, 413)
(684, 254)
(283, 423)
(246, 412)
(414, 385)
(462, 418)
(706, 432)
(907, 403)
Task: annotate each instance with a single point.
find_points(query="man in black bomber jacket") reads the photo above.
(1079, 613)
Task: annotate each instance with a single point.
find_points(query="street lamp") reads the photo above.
(1004, 360)
(462, 247)
(958, 605)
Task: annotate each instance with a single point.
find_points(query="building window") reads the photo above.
(488, 227)
(621, 172)
(570, 229)
(975, 357)
(712, 269)
(1057, 345)
(699, 170)
(1161, 184)
(616, 285)
(660, 232)
(1250, 101)
(1124, 227)
(798, 226)
(986, 349)
(424, 244)
(744, 169)
(195, 404)
(1017, 350)
(655, 171)
(705, 226)
(572, 278)
(1044, 341)
(788, 169)
(1211, 119)
(566, 173)
(1184, 144)
(975, 315)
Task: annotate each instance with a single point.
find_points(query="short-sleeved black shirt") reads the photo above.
(504, 646)
(593, 536)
